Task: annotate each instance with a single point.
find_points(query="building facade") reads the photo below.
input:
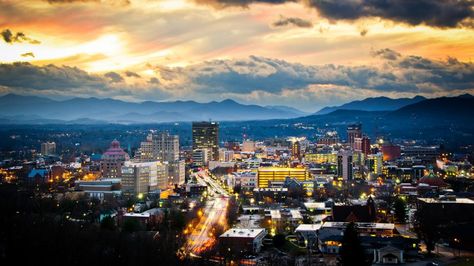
(206, 136)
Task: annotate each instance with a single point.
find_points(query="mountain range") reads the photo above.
(16, 109)
(33, 109)
(373, 104)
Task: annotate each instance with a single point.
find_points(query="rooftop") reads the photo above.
(308, 227)
(243, 232)
(454, 200)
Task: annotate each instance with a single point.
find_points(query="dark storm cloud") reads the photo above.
(26, 75)
(132, 74)
(298, 22)
(113, 77)
(28, 54)
(10, 37)
(436, 13)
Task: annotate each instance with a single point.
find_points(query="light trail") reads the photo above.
(202, 236)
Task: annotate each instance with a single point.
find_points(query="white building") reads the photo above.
(144, 177)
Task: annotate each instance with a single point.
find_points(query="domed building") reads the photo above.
(113, 160)
(432, 180)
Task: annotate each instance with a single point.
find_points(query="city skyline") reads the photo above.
(304, 54)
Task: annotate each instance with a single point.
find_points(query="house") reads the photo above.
(388, 255)
(355, 213)
(240, 241)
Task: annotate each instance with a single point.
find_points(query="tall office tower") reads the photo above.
(163, 147)
(160, 146)
(296, 150)
(206, 136)
(353, 131)
(362, 144)
(48, 148)
(113, 160)
(375, 163)
(345, 165)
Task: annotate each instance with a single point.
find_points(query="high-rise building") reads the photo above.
(113, 160)
(144, 177)
(375, 163)
(296, 150)
(159, 146)
(48, 148)
(206, 136)
(164, 148)
(345, 165)
(353, 131)
(362, 144)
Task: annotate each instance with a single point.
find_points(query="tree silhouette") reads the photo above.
(400, 210)
(352, 252)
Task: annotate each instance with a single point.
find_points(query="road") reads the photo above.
(202, 236)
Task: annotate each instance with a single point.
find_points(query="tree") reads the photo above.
(427, 228)
(107, 223)
(232, 211)
(352, 252)
(279, 240)
(400, 210)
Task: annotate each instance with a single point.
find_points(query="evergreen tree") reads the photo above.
(400, 210)
(352, 252)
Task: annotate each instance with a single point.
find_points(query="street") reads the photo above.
(202, 236)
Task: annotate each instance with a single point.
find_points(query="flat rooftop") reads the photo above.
(243, 232)
(308, 227)
(456, 200)
(381, 226)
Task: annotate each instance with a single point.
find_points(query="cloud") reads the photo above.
(26, 75)
(52, 80)
(298, 22)
(386, 53)
(28, 54)
(111, 2)
(254, 79)
(154, 81)
(132, 74)
(114, 77)
(9, 37)
(398, 74)
(436, 13)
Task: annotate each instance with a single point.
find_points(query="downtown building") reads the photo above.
(353, 132)
(205, 142)
(164, 148)
(48, 148)
(345, 165)
(144, 177)
(113, 160)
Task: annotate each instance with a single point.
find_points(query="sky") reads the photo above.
(305, 54)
